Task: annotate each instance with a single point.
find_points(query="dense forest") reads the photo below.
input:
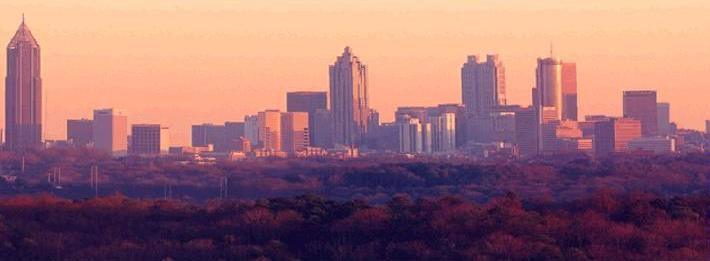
(567, 207)
(604, 226)
(372, 179)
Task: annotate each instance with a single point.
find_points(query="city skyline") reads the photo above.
(434, 81)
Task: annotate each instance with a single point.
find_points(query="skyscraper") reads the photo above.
(614, 135)
(664, 118)
(527, 131)
(569, 91)
(110, 132)
(207, 134)
(349, 100)
(323, 121)
(251, 129)
(294, 131)
(80, 132)
(23, 92)
(641, 105)
(149, 139)
(483, 84)
(270, 130)
(410, 136)
(549, 85)
(444, 132)
(233, 133)
(308, 102)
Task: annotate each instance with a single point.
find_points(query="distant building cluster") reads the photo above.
(340, 122)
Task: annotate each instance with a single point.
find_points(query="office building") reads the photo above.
(614, 135)
(110, 132)
(323, 123)
(80, 132)
(664, 118)
(23, 92)
(270, 130)
(657, 145)
(548, 88)
(527, 129)
(233, 132)
(294, 132)
(149, 139)
(410, 136)
(251, 129)
(569, 91)
(349, 99)
(206, 134)
(385, 138)
(308, 102)
(641, 105)
(483, 84)
(443, 129)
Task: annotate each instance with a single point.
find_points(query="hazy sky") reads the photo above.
(182, 62)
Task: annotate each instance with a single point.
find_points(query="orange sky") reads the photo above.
(181, 62)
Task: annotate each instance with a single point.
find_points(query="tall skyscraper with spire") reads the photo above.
(23, 92)
(349, 100)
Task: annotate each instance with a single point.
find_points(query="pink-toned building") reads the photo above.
(642, 105)
(614, 135)
(294, 131)
(23, 92)
(348, 99)
(110, 132)
(569, 91)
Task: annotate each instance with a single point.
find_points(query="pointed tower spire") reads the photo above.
(23, 18)
(552, 50)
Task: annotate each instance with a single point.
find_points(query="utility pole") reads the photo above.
(94, 180)
(224, 187)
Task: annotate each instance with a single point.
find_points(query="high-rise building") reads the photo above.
(308, 102)
(614, 134)
(23, 92)
(707, 127)
(323, 123)
(483, 84)
(527, 129)
(664, 118)
(149, 139)
(222, 138)
(410, 136)
(233, 132)
(443, 129)
(569, 91)
(641, 105)
(207, 134)
(80, 132)
(251, 129)
(294, 131)
(270, 130)
(110, 132)
(349, 99)
(549, 85)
